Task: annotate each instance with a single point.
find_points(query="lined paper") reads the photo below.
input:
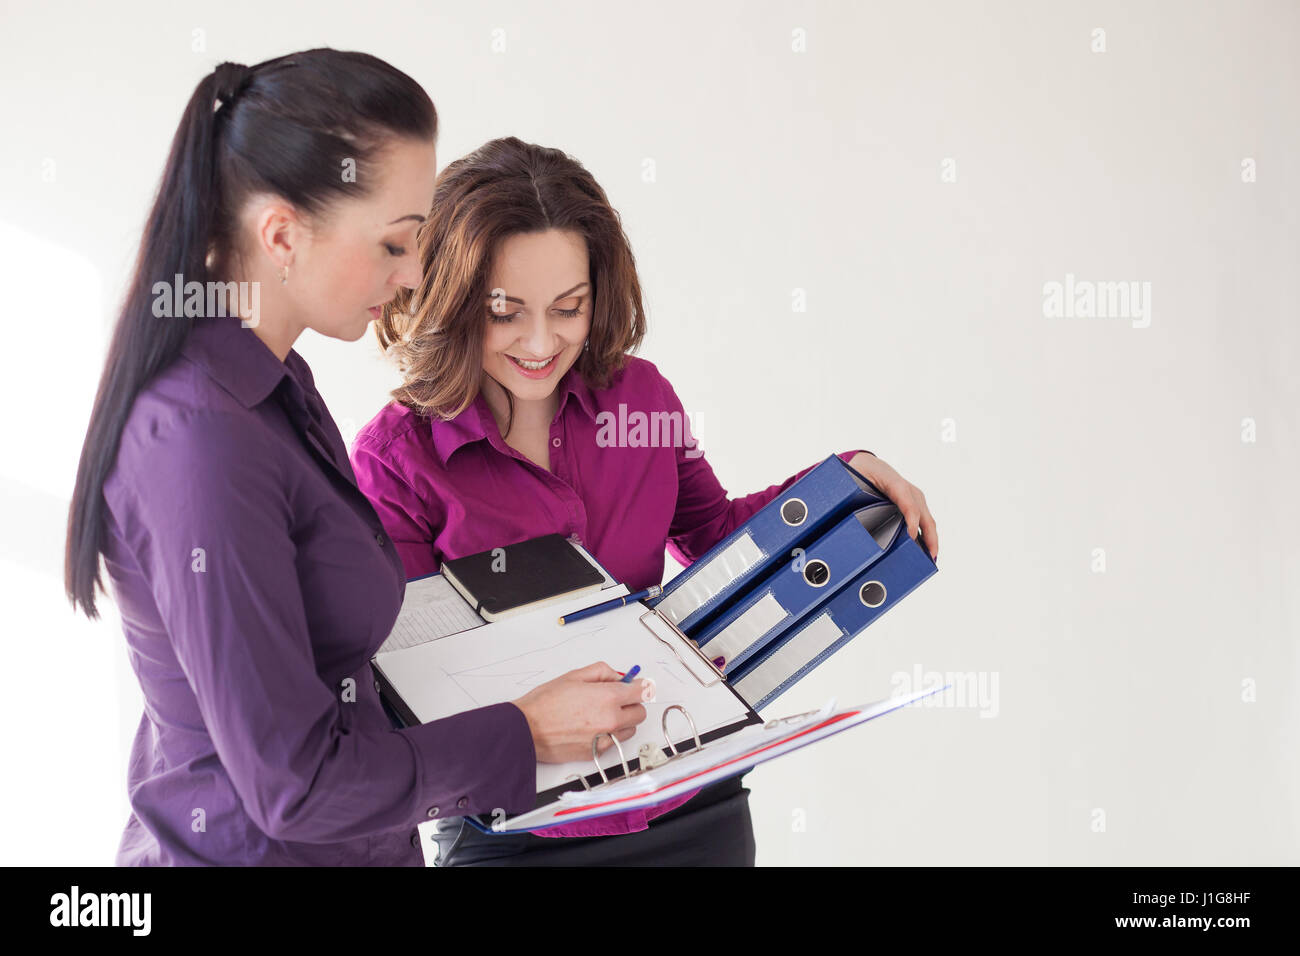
(432, 609)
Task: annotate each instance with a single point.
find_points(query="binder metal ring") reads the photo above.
(580, 778)
(798, 512)
(663, 724)
(875, 587)
(824, 574)
(595, 756)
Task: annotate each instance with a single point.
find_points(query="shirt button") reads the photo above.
(415, 839)
(433, 811)
(555, 443)
(380, 540)
(463, 802)
(377, 687)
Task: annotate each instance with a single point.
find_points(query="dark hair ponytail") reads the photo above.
(285, 127)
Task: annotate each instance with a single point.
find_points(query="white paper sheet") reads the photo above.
(430, 610)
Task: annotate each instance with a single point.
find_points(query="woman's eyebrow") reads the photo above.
(416, 216)
(562, 295)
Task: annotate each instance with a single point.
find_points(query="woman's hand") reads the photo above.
(565, 713)
(909, 498)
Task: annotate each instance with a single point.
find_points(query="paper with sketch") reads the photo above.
(503, 661)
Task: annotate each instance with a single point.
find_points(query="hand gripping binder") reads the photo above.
(788, 659)
(803, 511)
(791, 591)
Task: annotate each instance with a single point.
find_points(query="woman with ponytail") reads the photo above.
(253, 578)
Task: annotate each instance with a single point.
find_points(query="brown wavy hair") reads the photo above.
(504, 188)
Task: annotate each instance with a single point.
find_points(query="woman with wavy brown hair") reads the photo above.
(522, 413)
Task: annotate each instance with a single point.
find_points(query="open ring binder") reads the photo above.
(647, 756)
(727, 757)
(648, 761)
(736, 602)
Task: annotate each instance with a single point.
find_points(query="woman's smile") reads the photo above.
(532, 369)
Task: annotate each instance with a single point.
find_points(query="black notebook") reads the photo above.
(515, 578)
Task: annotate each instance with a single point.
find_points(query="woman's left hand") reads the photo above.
(909, 498)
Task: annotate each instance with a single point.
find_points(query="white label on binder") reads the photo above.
(707, 583)
(746, 629)
(806, 645)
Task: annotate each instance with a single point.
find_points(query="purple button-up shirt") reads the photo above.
(626, 477)
(255, 582)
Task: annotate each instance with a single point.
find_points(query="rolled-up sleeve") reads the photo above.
(704, 514)
(212, 531)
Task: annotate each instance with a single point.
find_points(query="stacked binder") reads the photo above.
(799, 580)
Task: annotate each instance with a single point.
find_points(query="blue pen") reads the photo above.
(627, 678)
(610, 605)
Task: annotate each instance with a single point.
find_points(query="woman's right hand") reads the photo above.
(565, 713)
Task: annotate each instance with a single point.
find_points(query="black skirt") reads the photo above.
(713, 828)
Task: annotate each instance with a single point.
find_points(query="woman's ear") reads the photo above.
(278, 233)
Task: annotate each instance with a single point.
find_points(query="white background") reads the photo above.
(1119, 695)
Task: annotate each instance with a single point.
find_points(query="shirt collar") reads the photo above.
(574, 385)
(476, 422)
(237, 360)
